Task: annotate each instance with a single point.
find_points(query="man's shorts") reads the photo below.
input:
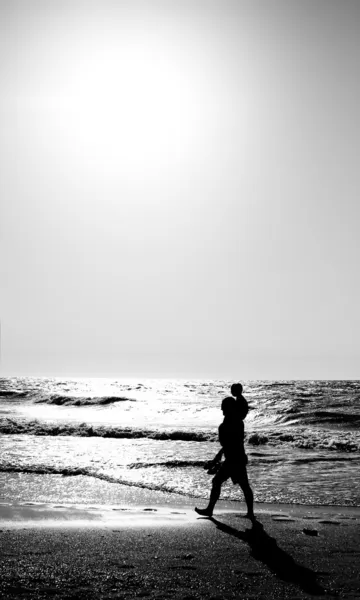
(234, 469)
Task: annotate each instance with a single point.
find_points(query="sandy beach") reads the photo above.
(163, 549)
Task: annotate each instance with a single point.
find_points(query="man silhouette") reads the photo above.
(231, 437)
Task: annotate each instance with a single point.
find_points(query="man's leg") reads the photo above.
(217, 482)
(249, 496)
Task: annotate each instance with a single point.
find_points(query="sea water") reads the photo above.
(302, 437)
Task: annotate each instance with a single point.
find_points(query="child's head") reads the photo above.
(236, 389)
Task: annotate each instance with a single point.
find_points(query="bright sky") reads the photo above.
(179, 188)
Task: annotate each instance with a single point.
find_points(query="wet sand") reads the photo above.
(165, 550)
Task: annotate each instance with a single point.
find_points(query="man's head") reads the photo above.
(228, 405)
(236, 389)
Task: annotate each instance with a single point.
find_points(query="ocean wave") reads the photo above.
(169, 464)
(301, 438)
(258, 439)
(274, 384)
(315, 459)
(306, 439)
(335, 417)
(63, 400)
(88, 472)
(296, 415)
(12, 394)
(307, 394)
(12, 427)
(47, 470)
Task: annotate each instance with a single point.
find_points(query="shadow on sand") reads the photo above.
(265, 549)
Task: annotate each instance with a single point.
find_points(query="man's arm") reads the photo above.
(218, 457)
(215, 460)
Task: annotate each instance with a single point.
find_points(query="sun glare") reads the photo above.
(125, 107)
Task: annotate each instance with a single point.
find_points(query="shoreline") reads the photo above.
(14, 514)
(83, 489)
(85, 502)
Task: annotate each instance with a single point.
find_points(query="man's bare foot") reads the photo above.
(250, 516)
(204, 512)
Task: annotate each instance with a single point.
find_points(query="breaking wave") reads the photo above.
(89, 472)
(12, 394)
(305, 439)
(169, 464)
(12, 427)
(62, 400)
(335, 418)
(298, 437)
